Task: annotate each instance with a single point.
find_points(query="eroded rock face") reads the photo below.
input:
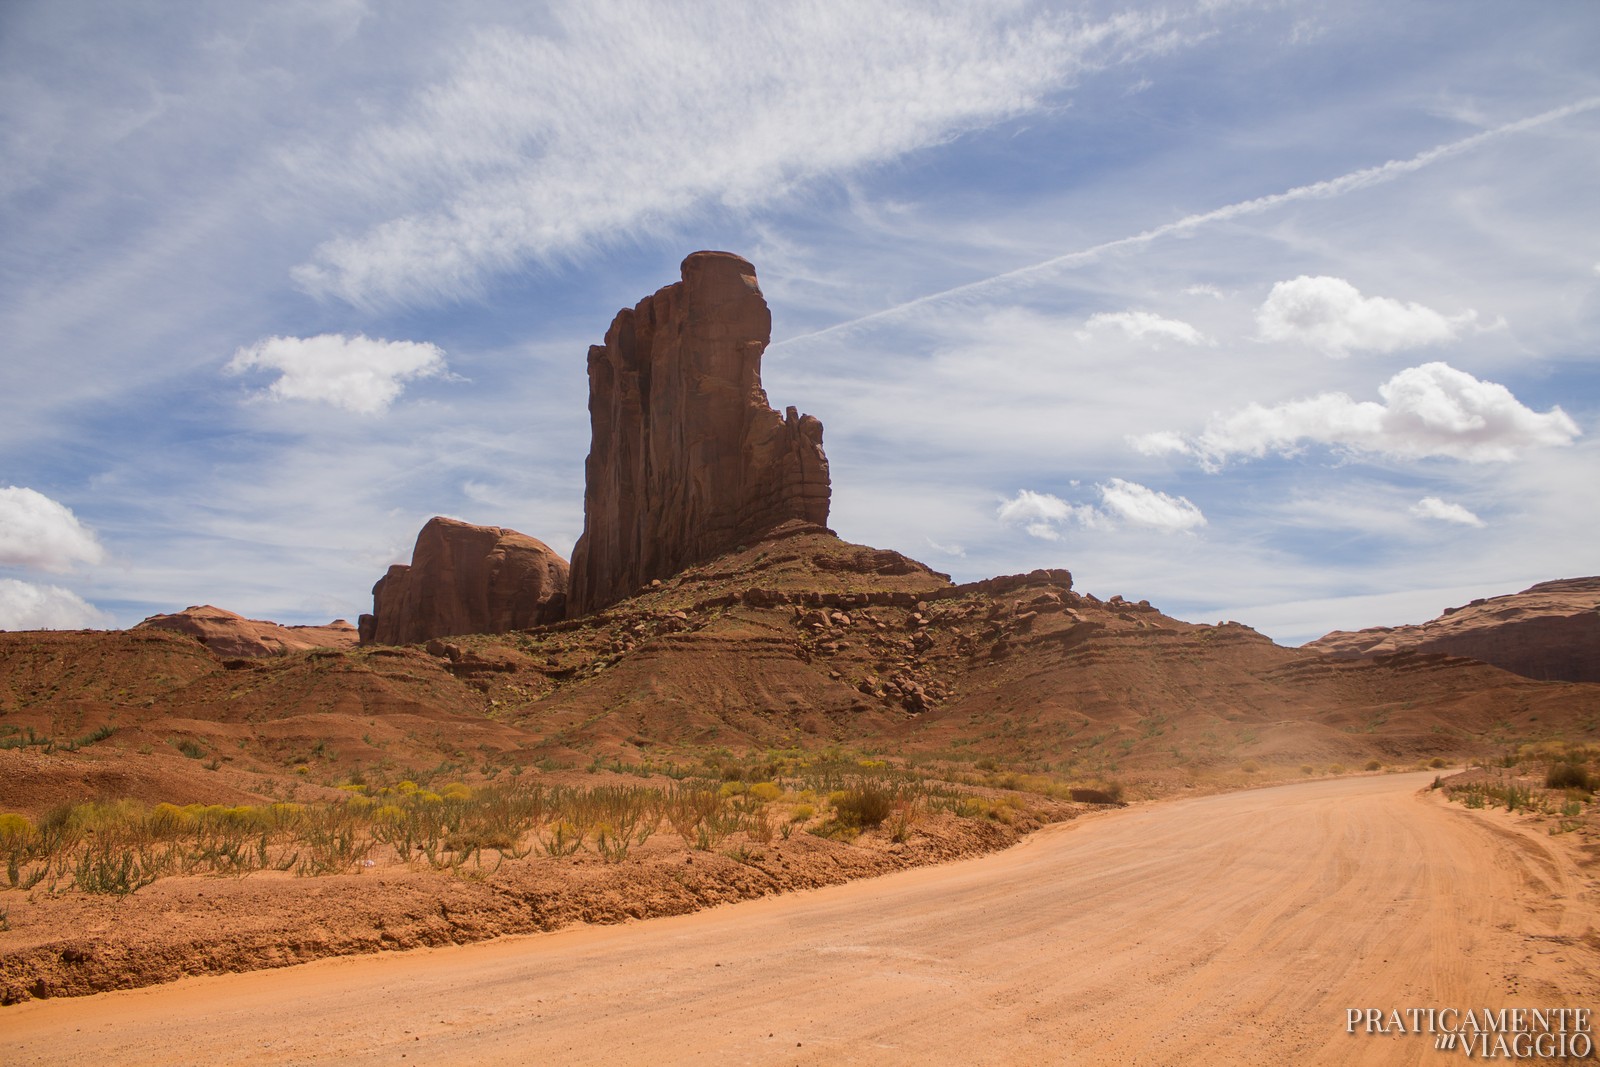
(466, 579)
(686, 459)
(1550, 631)
(228, 634)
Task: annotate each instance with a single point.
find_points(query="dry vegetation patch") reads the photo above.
(112, 894)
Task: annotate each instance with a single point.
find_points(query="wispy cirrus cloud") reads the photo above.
(622, 120)
(358, 374)
(1331, 315)
(1327, 189)
(1433, 410)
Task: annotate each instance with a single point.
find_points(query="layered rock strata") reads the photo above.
(1550, 631)
(466, 579)
(686, 458)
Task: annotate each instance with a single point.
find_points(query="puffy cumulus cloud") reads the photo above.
(41, 533)
(25, 606)
(722, 104)
(1431, 410)
(1144, 326)
(1431, 507)
(1122, 503)
(1331, 315)
(1041, 514)
(1143, 506)
(355, 373)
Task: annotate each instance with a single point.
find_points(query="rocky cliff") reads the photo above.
(466, 579)
(1549, 631)
(687, 459)
(228, 634)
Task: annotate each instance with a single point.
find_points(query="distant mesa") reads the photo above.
(687, 459)
(231, 635)
(1549, 631)
(466, 579)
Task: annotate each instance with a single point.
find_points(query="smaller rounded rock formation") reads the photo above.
(466, 579)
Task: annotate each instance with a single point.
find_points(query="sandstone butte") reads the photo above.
(466, 579)
(687, 459)
(228, 634)
(1549, 631)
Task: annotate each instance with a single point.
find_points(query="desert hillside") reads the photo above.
(1548, 631)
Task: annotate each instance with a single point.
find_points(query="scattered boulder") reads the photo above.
(687, 459)
(466, 579)
(228, 634)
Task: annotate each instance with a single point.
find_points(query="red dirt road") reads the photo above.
(1226, 929)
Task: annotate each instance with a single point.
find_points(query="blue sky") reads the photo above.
(1280, 312)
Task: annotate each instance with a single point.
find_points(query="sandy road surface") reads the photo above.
(1226, 929)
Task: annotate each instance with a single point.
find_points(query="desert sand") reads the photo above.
(1236, 928)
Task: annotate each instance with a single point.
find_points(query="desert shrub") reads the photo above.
(1374, 765)
(802, 812)
(1335, 768)
(1103, 793)
(864, 805)
(169, 821)
(1437, 762)
(687, 807)
(1569, 776)
(563, 839)
(1249, 766)
(15, 831)
(1306, 768)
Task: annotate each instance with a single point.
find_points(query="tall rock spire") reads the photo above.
(687, 459)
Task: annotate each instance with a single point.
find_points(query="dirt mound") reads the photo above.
(1549, 631)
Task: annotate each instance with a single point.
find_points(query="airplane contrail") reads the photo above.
(1323, 190)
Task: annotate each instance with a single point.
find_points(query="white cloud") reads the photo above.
(524, 153)
(38, 532)
(946, 550)
(1145, 325)
(1431, 410)
(1123, 502)
(1143, 506)
(1041, 513)
(355, 373)
(1431, 507)
(24, 606)
(1331, 315)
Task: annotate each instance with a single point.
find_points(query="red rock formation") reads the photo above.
(466, 579)
(1550, 631)
(228, 634)
(687, 459)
